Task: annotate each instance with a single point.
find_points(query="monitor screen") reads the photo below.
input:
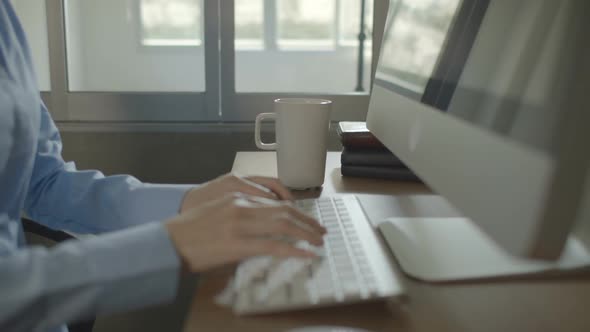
(501, 65)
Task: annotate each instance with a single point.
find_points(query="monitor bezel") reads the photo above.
(523, 198)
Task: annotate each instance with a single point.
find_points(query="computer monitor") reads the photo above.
(487, 102)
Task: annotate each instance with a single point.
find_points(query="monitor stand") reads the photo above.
(453, 249)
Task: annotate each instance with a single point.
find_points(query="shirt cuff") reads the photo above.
(158, 202)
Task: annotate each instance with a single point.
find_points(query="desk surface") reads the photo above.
(507, 305)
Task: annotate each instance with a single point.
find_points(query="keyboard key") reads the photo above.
(342, 273)
(277, 298)
(297, 291)
(350, 289)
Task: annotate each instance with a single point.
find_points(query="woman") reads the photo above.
(154, 231)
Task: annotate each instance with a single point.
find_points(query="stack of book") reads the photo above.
(365, 156)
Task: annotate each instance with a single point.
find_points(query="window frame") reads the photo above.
(135, 107)
(185, 107)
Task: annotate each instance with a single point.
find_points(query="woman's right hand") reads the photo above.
(236, 227)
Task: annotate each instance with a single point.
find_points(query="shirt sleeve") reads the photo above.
(44, 288)
(61, 197)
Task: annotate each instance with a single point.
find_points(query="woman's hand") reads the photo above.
(265, 187)
(238, 226)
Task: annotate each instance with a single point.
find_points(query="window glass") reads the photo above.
(249, 24)
(304, 56)
(306, 23)
(350, 21)
(33, 17)
(147, 45)
(165, 22)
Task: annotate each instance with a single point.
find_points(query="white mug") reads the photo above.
(302, 127)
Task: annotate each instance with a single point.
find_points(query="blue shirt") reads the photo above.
(43, 289)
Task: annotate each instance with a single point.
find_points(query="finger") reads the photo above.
(249, 188)
(258, 247)
(259, 186)
(273, 184)
(264, 202)
(281, 227)
(297, 216)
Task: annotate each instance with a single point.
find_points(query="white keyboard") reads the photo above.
(353, 266)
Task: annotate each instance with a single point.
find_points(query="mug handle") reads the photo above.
(259, 118)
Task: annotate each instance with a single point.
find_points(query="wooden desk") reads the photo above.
(508, 305)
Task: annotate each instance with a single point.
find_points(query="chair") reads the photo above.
(47, 233)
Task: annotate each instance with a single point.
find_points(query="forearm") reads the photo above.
(45, 288)
(89, 202)
(61, 197)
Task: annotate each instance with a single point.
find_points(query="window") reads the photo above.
(350, 21)
(249, 24)
(179, 23)
(198, 60)
(306, 23)
(303, 52)
(171, 22)
(104, 54)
